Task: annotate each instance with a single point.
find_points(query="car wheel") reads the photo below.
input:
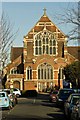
(72, 117)
(65, 111)
(77, 117)
(10, 107)
(17, 95)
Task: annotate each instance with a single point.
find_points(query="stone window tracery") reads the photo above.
(45, 71)
(45, 43)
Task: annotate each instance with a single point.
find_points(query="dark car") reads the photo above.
(76, 90)
(62, 95)
(70, 102)
(31, 93)
(75, 114)
(53, 94)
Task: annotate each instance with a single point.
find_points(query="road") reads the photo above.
(34, 109)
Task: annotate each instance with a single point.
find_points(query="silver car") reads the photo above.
(5, 102)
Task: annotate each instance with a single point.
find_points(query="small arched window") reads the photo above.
(29, 73)
(13, 71)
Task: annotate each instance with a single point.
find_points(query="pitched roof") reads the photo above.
(44, 21)
(16, 52)
(75, 51)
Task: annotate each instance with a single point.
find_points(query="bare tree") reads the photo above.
(71, 16)
(7, 36)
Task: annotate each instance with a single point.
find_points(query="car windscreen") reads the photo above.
(75, 99)
(2, 94)
(54, 92)
(65, 92)
(7, 91)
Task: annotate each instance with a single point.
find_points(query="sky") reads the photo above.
(24, 16)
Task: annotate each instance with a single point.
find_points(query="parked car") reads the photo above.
(12, 97)
(53, 94)
(62, 95)
(76, 90)
(16, 91)
(70, 102)
(75, 115)
(31, 93)
(5, 101)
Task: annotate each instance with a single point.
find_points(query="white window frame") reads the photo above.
(39, 37)
(30, 74)
(13, 69)
(48, 75)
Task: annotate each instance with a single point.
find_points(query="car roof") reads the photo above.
(66, 89)
(74, 94)
(2, 92)
(6, 89)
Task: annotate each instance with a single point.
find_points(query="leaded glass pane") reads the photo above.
(40, 50)
(38, 73)
(15, 71)
(44, 73)
(50, 42)
(50, 50)
(54, 42)
(48, 73)
(36, 43)
(36, 51)
(43, 40)
(43, 49)
(54, 50)
(28, 74)
(39, 42)
(41, 73)
(47, 49)
(39, 36)
(51, 74)
(52, 36)
(46, 40)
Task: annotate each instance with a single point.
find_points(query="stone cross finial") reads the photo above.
(44, 11)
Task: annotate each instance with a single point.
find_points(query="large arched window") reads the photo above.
(45, 71)
(29, 73)
(45, 43)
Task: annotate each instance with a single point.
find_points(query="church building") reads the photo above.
(40, 62)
